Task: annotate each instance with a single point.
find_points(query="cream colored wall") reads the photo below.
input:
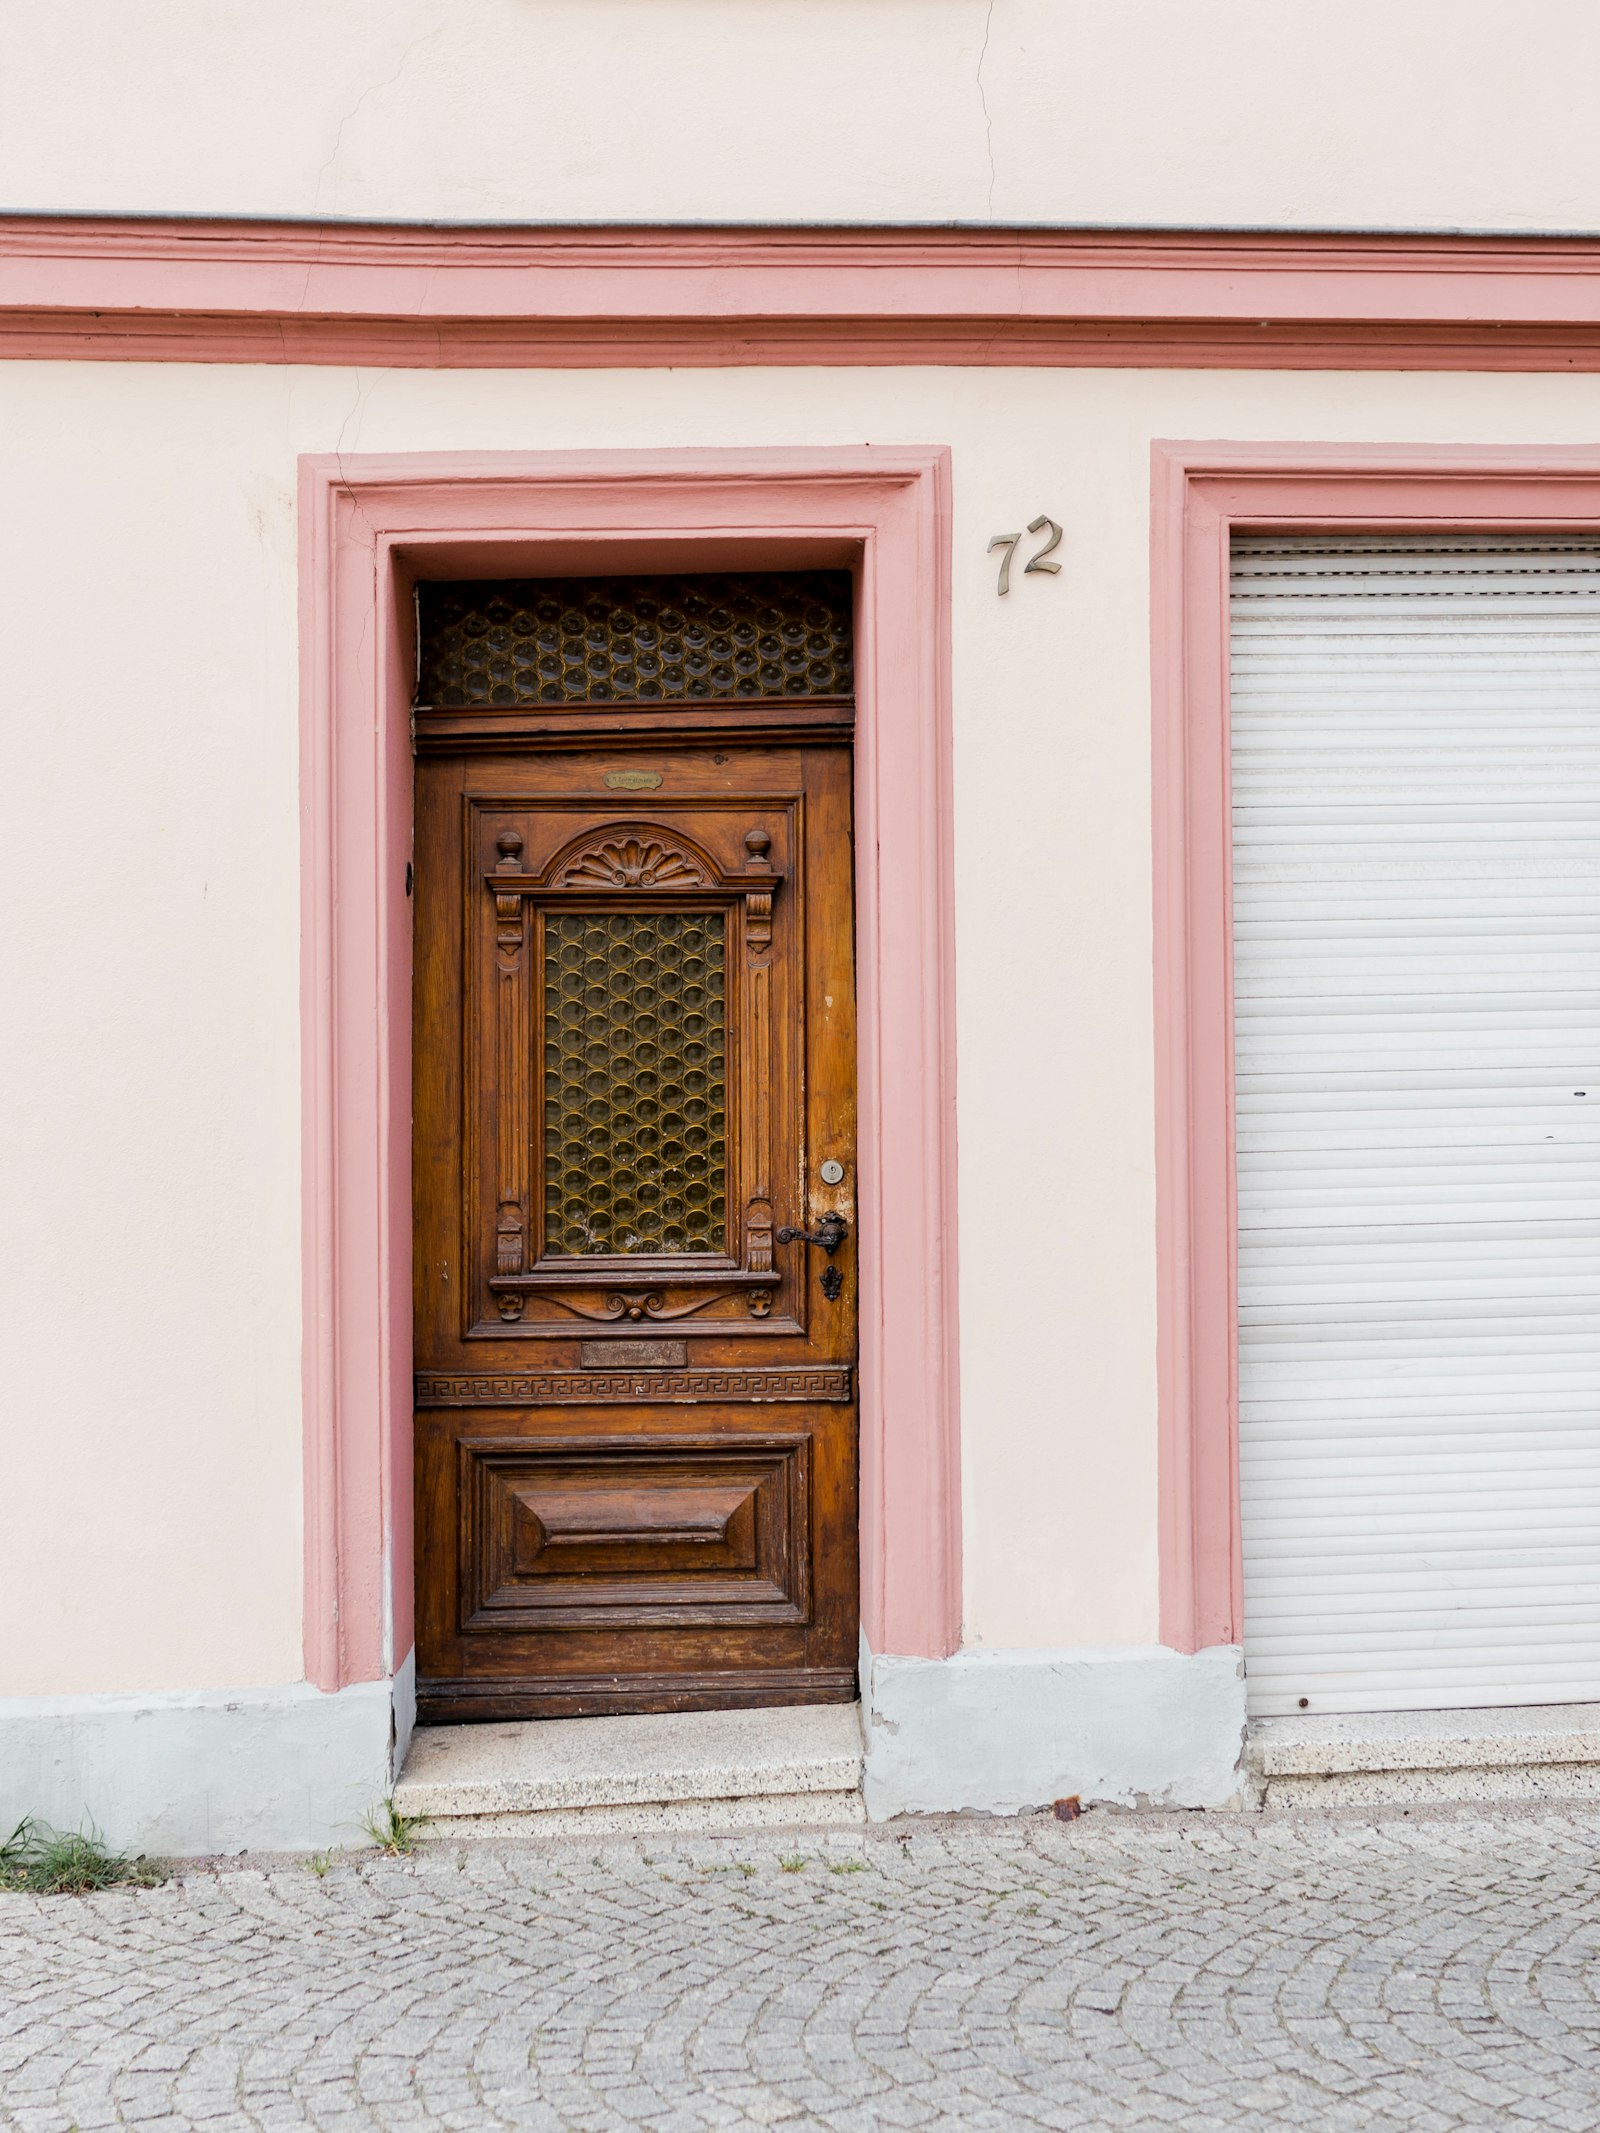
(1382, 113)
(150, 1521)
(149, 1213)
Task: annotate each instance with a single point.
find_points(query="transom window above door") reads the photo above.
(762, 634)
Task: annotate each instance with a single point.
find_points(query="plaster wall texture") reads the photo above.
(150, 1528)
(1242, 112)
(188, 1773)
(1006, 1732)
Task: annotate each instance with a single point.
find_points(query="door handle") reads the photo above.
(830, 1233)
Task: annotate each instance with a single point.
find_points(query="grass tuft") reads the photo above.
(36, 1860)
(794, 1865)
(391, 1831)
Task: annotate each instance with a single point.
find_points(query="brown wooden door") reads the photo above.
(634, 1071)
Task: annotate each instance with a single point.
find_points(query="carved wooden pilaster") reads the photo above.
(513, 1081)
(758, 899)
(758, 1068)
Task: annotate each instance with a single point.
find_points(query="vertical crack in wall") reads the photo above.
(983, 100)
(372, 89)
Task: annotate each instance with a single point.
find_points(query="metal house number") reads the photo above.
(1037, 561)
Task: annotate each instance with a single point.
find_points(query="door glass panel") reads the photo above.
(635, 1081)
(644, 640)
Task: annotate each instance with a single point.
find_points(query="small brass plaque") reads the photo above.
(633, 1355)
(633, 780)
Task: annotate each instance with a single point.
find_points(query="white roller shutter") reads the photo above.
(1416, 854)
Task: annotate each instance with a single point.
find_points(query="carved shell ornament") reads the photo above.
(633, 859)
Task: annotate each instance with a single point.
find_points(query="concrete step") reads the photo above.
(798, 1765)
(1362, 1759)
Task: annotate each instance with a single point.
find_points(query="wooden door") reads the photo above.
(634, 1081)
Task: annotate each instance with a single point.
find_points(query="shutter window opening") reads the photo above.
(1416, 912)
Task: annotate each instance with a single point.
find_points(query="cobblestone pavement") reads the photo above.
(1438, 1971)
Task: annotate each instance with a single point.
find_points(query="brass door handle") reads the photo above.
(830, 1233)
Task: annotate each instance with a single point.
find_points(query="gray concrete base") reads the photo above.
(1005, 1732)
(707, 1770)
(1533, 1752)
(405, 1714)
(206, 1770)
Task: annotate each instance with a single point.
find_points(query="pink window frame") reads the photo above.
(1201, 493)
(368, 526)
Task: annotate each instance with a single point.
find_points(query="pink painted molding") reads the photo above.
(368, 527)
(287, 292)
(1201, 492)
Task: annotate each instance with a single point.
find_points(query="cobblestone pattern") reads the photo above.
(1428, 1973)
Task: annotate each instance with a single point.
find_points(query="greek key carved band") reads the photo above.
(489, 1388)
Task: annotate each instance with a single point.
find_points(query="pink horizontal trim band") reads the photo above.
(222, 291)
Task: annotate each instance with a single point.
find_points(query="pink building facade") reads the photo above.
(296, 316)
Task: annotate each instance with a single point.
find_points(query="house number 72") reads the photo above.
(1037, 561)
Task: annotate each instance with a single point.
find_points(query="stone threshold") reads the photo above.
(1358, 1759)
(795, 1765)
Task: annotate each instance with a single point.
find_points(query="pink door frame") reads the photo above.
(1201, 493)
(368, 525)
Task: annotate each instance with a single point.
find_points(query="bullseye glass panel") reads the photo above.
(635, 1084)
(638, 640)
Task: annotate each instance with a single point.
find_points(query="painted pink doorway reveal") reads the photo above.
(369, 526)
(1201, 493)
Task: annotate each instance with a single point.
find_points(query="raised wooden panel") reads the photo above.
(671, 1532)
